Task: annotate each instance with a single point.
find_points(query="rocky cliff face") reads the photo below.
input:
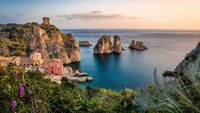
(117, 47)
(103, 45)
(55, 45)
(138, 46)
(190, 57)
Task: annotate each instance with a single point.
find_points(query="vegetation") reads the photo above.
(31, 92)
(49, 28)
(17, 36)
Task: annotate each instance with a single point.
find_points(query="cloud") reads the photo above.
(19, 14)
(134, 17)
(93, 15)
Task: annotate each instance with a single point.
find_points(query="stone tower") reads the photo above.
(46, 21)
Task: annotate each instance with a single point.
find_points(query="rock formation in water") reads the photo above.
(84, 43)
(138, 46)
(103, 45)
(117, 47)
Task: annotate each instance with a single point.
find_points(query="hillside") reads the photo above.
(22, 39)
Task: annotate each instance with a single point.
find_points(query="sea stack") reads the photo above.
(117, 47)
(104, 45)
(84, 43)
(138, 46)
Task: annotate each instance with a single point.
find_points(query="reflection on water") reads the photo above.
(75, 66)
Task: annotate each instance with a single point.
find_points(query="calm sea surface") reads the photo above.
(133, 69)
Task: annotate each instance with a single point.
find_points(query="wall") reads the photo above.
(55, 68)
(36, 56)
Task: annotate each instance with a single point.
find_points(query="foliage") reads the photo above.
(22, 91)
(49, 28)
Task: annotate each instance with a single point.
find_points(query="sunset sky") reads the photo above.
(136, 14)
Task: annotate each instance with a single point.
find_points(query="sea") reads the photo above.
(132, 69)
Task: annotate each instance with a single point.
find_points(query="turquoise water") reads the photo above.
(133, 69)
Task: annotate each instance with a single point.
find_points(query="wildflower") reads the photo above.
(21, 90)
(13, 105)
(14, 75)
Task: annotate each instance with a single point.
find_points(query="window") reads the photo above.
(58, 67)
(46, 67)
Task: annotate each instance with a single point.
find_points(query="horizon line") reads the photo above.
(129, 29)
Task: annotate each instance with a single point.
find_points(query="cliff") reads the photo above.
(46, 39)
(103, 45)
(190, 58)
(117, 47)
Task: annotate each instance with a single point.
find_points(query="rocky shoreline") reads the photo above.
(75, 76)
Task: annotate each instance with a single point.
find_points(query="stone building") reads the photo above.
(46, 21)
(36, 56)
(53, 67)
(37, 31)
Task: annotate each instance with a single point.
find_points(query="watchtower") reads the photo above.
(46, 21)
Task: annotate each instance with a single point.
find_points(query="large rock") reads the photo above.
(138, 46)
(55, 44)
(84, 43)
(103, 45)
(117, 47)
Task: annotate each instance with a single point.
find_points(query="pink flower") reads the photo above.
(13, 105)
(21, 90)
(14, 75)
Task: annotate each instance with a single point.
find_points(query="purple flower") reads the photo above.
(13, 104)
(21, 90)
(14, 75)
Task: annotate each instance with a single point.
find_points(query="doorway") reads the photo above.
(52, 70)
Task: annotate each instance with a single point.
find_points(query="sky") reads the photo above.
(119, 14)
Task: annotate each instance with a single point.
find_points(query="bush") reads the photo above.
(168, 74)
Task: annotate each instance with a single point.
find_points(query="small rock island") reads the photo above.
(138, 46)
(104, 45)
(84, 43)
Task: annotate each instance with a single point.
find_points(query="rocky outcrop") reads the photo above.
(84, 43)
(117, 47)
(55, 45)
(138, 46)
(103, 45)
(190, 58)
